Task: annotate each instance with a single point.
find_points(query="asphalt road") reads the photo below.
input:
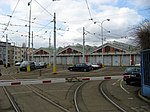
(89, 97)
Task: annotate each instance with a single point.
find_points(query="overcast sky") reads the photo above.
(71, 17)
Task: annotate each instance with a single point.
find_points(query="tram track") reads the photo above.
(102, 97)
(45, 97)
(36, 91)
(12, 100)
(87, 98)
(122, 96)
(103, 92)
(76, 103)
(15, 104)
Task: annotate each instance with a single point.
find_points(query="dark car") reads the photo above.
(132, 74)
(43, 64)
(24, 64)
(80, 67)
(1, 63)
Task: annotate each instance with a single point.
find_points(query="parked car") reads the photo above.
(43, 64)
(132, 74)
(95, 66)
(24, 64)
(18, 63)
(1, 63)
(37, 65)
(80, 67)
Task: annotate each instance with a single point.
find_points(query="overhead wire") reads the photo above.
(11, 16)
(43, 27)
(43, 8)
(91, 18)
(52, 15)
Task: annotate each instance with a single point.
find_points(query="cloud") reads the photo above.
(72, 15)
(140, 3)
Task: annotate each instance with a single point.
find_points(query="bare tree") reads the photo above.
(142, 33)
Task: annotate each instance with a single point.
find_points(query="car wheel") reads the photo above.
(71, 69)
(84, 70)
(128, 82)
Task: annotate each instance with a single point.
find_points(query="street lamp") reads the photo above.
(29, 4)
(102, 37)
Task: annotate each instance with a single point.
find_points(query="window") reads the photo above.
(107, 49)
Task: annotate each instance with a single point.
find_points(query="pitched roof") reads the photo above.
(123, 46)
(44, 49)
(79, 48)
(117, 45)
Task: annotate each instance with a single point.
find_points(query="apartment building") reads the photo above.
(15, 53)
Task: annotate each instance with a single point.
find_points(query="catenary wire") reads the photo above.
(89, 10)
(43, 8)
(11, 16)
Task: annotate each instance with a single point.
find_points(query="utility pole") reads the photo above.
(14, 53)
(29, 4)
(54, 50)
(50, 50)
(83, 45)
(6, 51)
(32, 45)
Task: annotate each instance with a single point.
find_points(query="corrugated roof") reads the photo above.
(91, 49)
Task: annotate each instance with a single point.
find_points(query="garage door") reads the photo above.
(116, 60)
(107, 60)
(125, 60)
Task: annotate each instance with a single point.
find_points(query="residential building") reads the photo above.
(15, 53)
(3, 52)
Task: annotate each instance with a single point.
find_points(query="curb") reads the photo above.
(142, 97)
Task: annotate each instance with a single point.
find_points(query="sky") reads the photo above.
(71, 17)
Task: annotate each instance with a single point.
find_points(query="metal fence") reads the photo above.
(145, 72)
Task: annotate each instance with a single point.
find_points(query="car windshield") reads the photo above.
(36, 63)
(41, 63)
(133, 69)
(24, 63)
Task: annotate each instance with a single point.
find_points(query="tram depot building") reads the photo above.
(114, 54)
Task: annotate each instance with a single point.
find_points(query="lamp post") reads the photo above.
(29, 4)
(102, 38)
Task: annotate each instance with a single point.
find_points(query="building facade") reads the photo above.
(114, 54)
(15, 53)
(3, 52)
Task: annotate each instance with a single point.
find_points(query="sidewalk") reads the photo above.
(143, 97)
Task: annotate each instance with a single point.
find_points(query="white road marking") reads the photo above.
(116, 81)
